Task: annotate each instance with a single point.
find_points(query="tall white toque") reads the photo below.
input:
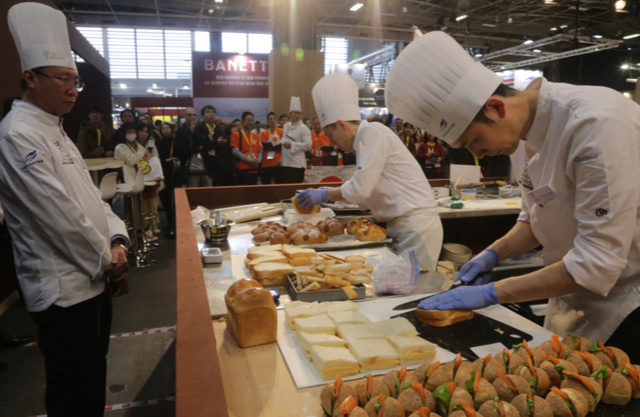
(437, 86)
(41, 36)
(295, 104)
(336, 98)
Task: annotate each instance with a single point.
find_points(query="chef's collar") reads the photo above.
(359, 135)
(38, 113)
(297, 123)
(537, 133)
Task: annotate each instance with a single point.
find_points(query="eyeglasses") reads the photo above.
(67, 82)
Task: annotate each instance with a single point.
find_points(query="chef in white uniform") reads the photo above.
(581, 195)
(296, 140)
(388, 179)
(68, 244)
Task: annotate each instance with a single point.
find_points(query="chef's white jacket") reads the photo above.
(388, 179)
(60, 227)
(584, 145)
(300, 138)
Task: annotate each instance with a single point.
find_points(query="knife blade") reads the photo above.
(414, 304)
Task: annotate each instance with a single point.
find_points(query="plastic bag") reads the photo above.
(399, 276)
(200, 213)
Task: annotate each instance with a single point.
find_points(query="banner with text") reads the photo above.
(220, 75)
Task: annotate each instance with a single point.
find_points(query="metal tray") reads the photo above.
(322, 295)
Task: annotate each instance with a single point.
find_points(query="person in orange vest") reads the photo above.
(271, 143)
(320, 143)
(247, 149)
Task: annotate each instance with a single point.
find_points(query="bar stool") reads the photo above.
(108, 186)
(133, 191)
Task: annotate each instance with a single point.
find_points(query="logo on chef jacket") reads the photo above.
(30, 160)
(601, 212)
(443, 125)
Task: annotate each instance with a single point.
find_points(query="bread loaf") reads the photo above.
(304, 210)
(371, 233)
(354, 226)
(330, 227)
(293, 228)
(308, 237)
(272, 273)
(251, 314)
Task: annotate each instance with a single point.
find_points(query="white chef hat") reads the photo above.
(336, 98)
(295, 104)
(41, 36)
(435, 85)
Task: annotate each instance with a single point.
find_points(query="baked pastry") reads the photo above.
(509, 386)
(534, 407)
(442, 318)
(590, 389)
(574, 342)
(330, 227)
(556, 348)
(270, 225)
(304, 210)
(555, 368)
(352, 228)
(497, 408)
(538, 379)
(632, 374)
(489, 367)
(386, 406)
(299, 226)
(585, 362)
(251, 314)
(414, 397)
(308, 237)
(617, 389)
(560, 401)
(370, 387)
(372, 233)
(332, 396)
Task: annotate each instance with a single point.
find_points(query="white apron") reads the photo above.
(421, 231)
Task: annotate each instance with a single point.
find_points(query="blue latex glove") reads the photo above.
(311, 197)
(462, 298)
(480, 266)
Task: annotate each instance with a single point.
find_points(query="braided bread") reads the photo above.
(352, 228)
(371, 233)
(308, 237)
(330, 227)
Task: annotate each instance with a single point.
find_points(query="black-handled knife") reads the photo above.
(414, 304)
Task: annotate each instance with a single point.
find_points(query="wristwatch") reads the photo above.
(118, 242)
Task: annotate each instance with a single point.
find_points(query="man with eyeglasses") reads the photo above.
(70, 249)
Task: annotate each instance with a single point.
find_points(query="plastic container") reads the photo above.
(468, 194)
(211, 255)
(456, 253)
(293, 217)
(441, 192)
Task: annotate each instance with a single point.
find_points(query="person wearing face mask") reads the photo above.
(150, 192)
(296, 140)
(579, 183)
(70, 249)
(130, 152)
(388, 179)
(246, 147)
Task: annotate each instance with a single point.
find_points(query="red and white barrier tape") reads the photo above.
(120, 335)
(133, 404)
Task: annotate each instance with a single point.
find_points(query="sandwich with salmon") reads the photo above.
(465, 411)
(461, 370)
(434, 375)
(368, 388)
(538, 379)
(398, 381)
(616, 388)
(585, 362)
(489, 367)
(590, 389)
(424, 412)
(509, 386)
(555, 368)
(530, 405)
(334, 394)
(349, 408)
(416, 396)
(479, 388)
(496, 408)
(449, 395)
(523, 351)
(556, 348)
(632, 374)
(608, 355)
(382, 406)
(567, 403)
(573, 342)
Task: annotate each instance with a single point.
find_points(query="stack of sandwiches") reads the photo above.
(270, 264)
(338, 339)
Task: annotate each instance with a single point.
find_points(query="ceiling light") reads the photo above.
(537, 51)
(219, 1)
(528, 42)
(627, 95)
(489, 25)
(186, 87)
(211, 11)
(478, 55)
(563, 26)
(149, 90)
(632, 80)
(554, 29)
(619, 5)
(123, 86)
(635, 35)
(404, 10)
(625, 66)
(126, 105)
(549, 2)
(509, 20)
(597, 36)
(356, 7)
(154, 85)
(461, 17)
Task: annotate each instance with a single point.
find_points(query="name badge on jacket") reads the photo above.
(543, 195)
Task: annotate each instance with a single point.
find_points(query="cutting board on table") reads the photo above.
(461, 337)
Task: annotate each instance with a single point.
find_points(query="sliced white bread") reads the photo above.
(302, 311)
(374, 354)
(348, 317)
(398, 326)
(359, 331)
(277, 248)
(316, 324)
(442, 318)
(273, 272)
(294, 252)
(413, 350)
(318, 339)
(273, 258)
(343, 306)
(332, 361)
(259, 253)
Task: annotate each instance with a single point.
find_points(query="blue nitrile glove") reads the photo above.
(311, 197)
(480, 266)
(462, 298)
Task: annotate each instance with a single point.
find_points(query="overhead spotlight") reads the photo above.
(123, 86)
(619, 6)
(553, 29)
(219, 1)
(563, 26)
(597, 36)
(154, 85)
(625, 66)
(635, 35)
(627, 95)
(537, 51)
(509, 20)
(404, 10)
(186, 87)
(528, 42)
(478, 55)
(461, 17)
(211, 11)
(149, 90)
(356, 7)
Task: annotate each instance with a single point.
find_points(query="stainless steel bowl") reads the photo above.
(213, 233)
